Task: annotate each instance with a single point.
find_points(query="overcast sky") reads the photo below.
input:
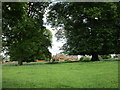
(56, 45)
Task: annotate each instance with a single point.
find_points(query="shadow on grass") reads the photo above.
(24, 64)
(34, 63)
(61, 62)
(110, 60)
(52, 63)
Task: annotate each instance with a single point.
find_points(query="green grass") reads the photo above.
(100, 74)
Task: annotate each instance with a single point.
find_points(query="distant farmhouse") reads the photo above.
(61, 57)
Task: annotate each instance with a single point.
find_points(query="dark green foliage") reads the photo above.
(106, 56)
(52, 62)
(24, 36)
(31, 42)
(66, 60)
(90, 28)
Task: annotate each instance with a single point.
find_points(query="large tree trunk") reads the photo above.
(95, 57)
(20, 62)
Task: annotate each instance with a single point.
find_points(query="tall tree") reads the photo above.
(90, 28)
(12, 14)
(24, 35)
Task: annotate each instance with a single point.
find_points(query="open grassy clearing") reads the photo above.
(100, 74)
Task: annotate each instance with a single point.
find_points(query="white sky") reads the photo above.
(56, 45)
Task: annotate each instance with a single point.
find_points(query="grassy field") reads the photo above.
(101, 74)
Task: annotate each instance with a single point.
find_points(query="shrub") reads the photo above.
(52, 62)
(100, 58)
(67, 60)
(105, 56)
(85, 58)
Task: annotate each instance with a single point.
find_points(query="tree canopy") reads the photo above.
(91, 28)
(24, 36)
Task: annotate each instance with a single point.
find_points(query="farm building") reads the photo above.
(62, 57)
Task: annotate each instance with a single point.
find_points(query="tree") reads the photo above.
(12, 14)
(90, 28)
(25, 37)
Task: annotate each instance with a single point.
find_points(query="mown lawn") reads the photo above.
(100, 74)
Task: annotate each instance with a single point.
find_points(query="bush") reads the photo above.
(51, 62)
(85, 58)
(115, 56)
(100, 58)
(105, 56)
(47, 59)
(67, 60)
